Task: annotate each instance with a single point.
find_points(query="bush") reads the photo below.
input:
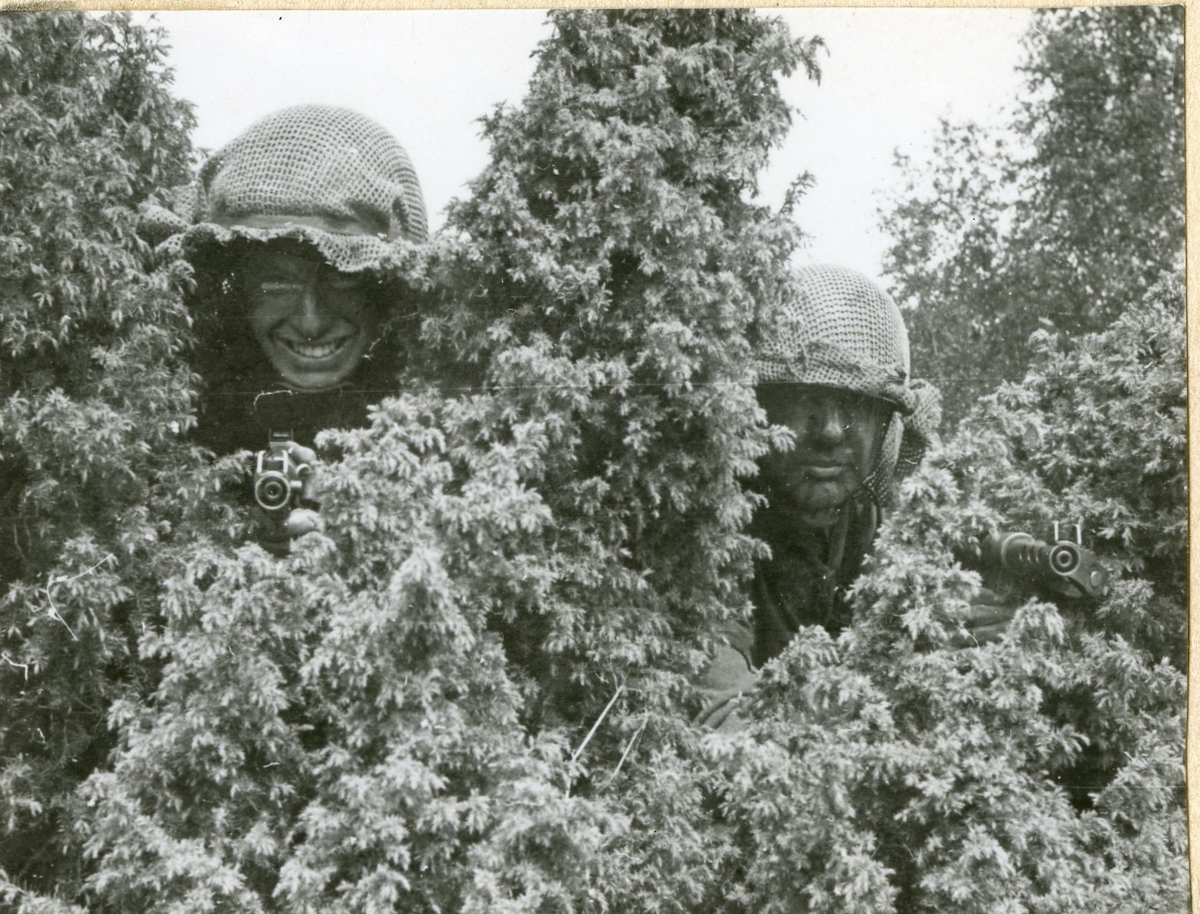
(92, 402)
(437, 703)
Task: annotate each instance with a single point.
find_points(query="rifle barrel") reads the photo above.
(1064, 567)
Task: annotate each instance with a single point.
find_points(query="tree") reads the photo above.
(472, 691)
(1064, 221)
(91, 402)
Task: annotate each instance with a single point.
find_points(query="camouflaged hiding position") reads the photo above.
(834, 369)
(290, 230)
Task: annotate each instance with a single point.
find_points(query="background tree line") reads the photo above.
(1056, 222)
(472, 692)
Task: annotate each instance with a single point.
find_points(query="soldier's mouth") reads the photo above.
(822, 469)
(315, 351)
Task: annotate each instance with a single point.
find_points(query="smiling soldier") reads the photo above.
(833, 369)
(313, 322)
(289, 229)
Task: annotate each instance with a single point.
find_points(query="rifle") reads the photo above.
(1064, 567)
(278, 479)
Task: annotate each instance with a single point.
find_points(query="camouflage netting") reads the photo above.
(840, 330)
(325, 175)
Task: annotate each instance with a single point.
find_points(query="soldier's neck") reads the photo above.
(818, 537)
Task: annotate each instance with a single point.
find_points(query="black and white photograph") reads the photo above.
(579, 461)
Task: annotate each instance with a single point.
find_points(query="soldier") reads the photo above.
(289, 229)
(834, 370)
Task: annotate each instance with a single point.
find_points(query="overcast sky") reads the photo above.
(429, 75)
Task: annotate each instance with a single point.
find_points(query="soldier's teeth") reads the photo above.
(314, 350)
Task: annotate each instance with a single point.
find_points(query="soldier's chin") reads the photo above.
(819, 504)
(820, 495)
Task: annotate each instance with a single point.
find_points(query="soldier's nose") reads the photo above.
(830, 423)
(310, 318)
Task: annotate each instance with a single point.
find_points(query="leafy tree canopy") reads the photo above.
(1064, 220)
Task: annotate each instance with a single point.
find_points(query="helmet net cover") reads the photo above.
(325, 175)
(839, 329)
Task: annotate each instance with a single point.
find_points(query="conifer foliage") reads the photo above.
(1043, 772)
(437, 703)
(92, 400)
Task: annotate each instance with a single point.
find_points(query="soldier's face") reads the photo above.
(837, 436)
(312, 321)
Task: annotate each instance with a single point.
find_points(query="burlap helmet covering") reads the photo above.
(324, 175)
(838, 329)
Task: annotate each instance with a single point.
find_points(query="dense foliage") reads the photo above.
(91, 401)
(400, 713)
(1058, 222)
(471, 691)
(1040, 773)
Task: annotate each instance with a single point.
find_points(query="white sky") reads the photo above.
(429, 75)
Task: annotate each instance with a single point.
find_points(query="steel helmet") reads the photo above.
(838, 329)
(316, 173)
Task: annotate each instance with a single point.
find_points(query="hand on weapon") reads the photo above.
(988, 617)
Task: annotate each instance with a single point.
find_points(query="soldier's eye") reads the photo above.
(280, 287)
(345, 283)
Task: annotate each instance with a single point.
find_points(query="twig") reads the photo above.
(596, 726)
(54, 582)
(56, 615)
(76, 577)
(624, 755)
(23, 667)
